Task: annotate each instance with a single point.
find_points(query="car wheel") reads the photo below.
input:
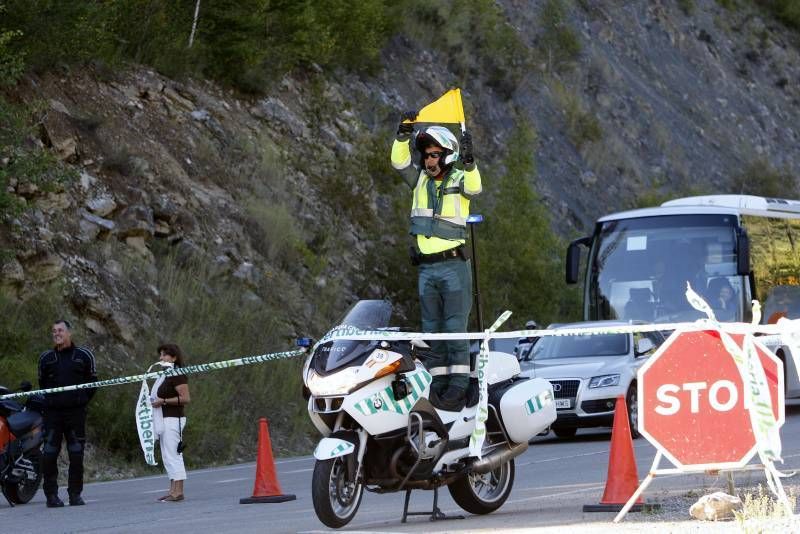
(565, 432)
(632, 405)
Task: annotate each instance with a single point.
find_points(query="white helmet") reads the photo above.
(531, 325)
(442, 137)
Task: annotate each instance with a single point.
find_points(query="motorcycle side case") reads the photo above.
(527, 408)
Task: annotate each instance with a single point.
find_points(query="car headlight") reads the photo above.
(604, 381)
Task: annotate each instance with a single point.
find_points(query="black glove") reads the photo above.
(405, 129)
(466, 149)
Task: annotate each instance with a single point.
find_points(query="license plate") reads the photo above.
(563, 403)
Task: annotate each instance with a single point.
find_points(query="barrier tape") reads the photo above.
(787, 329)
(767, 437)
(188, 370)
(757, 396)
(478, 435)
(145, 419)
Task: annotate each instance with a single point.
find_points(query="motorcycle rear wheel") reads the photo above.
(23, 491)
(483, 494)
(336, 500)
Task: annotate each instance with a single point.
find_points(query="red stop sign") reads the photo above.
(691, 401)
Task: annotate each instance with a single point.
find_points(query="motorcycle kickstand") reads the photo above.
(436, 514)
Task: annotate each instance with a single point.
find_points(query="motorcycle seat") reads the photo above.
(21, 422)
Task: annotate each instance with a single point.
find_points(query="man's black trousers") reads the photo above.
(71, 425)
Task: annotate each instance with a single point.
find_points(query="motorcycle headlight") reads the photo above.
(340, 383)
(604, 381)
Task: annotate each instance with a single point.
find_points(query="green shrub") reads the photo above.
(274, 232)
(11, 63)
(558, 43)
(55, 32)
(25, 330)
(521, 257)
(687, 6)
(213, 320)
(728, 4)
(788, 11)
(244, 43)
(653, 194)
(582, 126)
(474, 36)
(25, 163)
(760, 178)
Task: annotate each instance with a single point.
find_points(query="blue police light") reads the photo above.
(475, 218)
(304, 342)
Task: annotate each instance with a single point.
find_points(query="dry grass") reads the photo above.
(763, 513)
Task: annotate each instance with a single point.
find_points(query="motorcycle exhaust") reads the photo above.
(498, 457)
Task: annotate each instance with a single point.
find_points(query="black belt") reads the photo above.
(449, 254)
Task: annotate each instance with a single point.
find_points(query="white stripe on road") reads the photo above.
(250, 465)
(299, 471)
(232, 480)
(551, 495)
(559, 458)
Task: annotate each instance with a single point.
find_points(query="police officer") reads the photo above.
(524, 348)
(65, 413)
(439, 211)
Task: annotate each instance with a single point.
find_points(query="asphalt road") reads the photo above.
(554, 479)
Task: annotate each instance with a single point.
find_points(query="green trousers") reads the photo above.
(445, 294)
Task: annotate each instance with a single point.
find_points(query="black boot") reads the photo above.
(75, 500)
(53, 501)
(452, 400)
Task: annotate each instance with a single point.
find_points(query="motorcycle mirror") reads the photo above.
(25, 386)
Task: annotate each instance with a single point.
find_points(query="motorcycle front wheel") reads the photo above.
(335, 498)
(483, 493)
(23, 491)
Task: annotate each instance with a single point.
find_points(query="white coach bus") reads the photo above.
(730, 248)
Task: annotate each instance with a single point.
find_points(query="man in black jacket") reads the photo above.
(65, 413)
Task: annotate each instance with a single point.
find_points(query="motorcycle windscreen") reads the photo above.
(363, 315)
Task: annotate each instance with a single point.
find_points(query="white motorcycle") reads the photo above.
(370, 401)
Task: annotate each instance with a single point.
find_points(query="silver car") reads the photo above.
(589, 372)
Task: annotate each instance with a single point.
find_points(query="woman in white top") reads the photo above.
(169, 396)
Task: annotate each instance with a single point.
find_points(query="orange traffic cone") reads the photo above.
(266, 488)
(622, 479)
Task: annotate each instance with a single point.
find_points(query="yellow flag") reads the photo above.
(448, 109)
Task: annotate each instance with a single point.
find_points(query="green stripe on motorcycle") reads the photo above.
(419, 381)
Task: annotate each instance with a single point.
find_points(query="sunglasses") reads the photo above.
(434, 155)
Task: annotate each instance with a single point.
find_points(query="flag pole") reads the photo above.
(461, 111)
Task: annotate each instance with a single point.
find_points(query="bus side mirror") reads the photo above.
(574, 258)
(742, 252)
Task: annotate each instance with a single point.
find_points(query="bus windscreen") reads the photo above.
(640, 267)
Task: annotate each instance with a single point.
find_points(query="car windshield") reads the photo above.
(364, 315)
(551, 347)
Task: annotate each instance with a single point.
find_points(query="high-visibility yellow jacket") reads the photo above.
(439, 208)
